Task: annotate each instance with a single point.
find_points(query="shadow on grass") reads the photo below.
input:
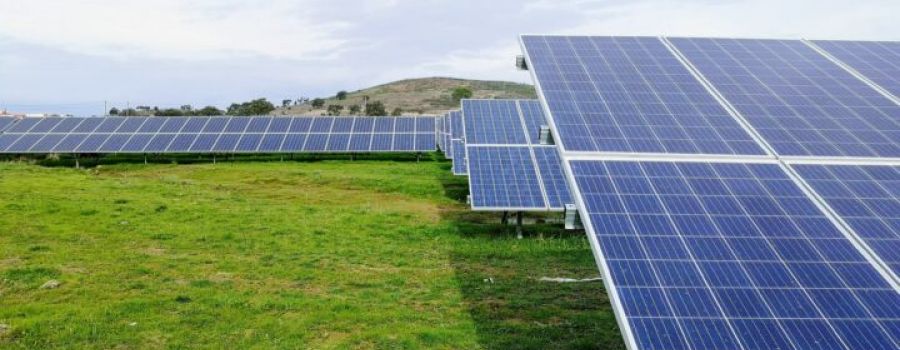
(499, 277)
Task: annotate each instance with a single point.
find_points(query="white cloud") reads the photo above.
(173, 29)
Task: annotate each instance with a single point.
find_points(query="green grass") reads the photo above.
(326, 254)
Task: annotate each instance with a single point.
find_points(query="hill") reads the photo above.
(419, 96)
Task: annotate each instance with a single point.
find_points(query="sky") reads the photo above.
(70, 57)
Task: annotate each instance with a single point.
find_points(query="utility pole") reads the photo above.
(105, 109)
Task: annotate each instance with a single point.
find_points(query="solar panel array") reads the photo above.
(740, 236)
(457, 141)
(219, 135)
(508, 169)
(799, 101)
(878, 61)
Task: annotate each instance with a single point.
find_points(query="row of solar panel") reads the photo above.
(650, 95)
(737, 256)
(214, 143)
(215, 125)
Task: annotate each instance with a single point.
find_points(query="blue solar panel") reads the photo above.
(533, 114)
(92, 143)
(867, 198)
(108, 125)
(226, 142)
(151, 125)
(630, 94)
(404, 142)
(382, 142)
(182, 142)
(279, 125)
(503, 177)
(293, 143)
(88, 125)
(363, 125)
(6, 122)
(271, 142)
(322, 124)
(114, 143)
(204, 142)
(237, 125)
(338, 142)
(360, 142)
(69, 143)
(552, 176)
(800, 102)
(248, 143)
(258, 125)
(459, 157)
(405, 125)
(879, 61)
(425, 124)
(384, 124)
(342, 125)
(717, 255)
(47, 143)
(215, 125)
(45, 125)
(67, 124)
(24, 125)
(173, 125)
(300, 124)
(424, 142)
(7, 139)
(159, 143)
(136, 143)
(24, 143)
(316, 142)
(457, 131)
(493, 122)
(131, 124)
(194, 125)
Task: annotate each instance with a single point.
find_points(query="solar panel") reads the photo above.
(424, 142)
(271, 142)
(867, 198)
(316, 142)
(107, 126)
(382, 142)
(715, 255)
(131, 124)
(630, 94)
(258, 125)
(459, 157)
(194, 125)
(457, 130)
(159, 143)
(293, 142)
(23, 125)
(361, 142)
(533, 114)
(113, 144)
(405, 125)
(204, 142)
(492, 122)
(68, 124)
(24, 143)
(182, 142)
(45, 125)
(404, 142)
(799, 101)
(248, 143)
(69, 142)
(88, 125)
(6, 122)
(503, 177)
(8, 139)
(321, 124)
(549, 165)
(879, 61)
(92, 143)
(226, 142)
(342, 125)
(173, 124)
(338, 142)
(47, 143)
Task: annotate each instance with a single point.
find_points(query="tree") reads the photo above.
(335, 109)
(376, 108)
(259, 106)
(342, 95)
(170, 112)
(461, 93)
(187, 108)
(397, 112)
(209, 111)
(114, 111)
(318, 103)
(285, 103)
(354, 109)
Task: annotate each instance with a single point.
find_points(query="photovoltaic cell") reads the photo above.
(630, 94)
(798, 100)
(723, 256)
(879, 61)
(503, 177)
(459, 157)
(552, 176)
(493, 122)
(867, 198)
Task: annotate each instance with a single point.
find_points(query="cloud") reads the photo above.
(193, 30)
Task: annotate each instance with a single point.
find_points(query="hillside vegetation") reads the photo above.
(419, 96)
(327, 254)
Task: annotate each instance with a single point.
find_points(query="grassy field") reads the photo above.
(312, 254)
